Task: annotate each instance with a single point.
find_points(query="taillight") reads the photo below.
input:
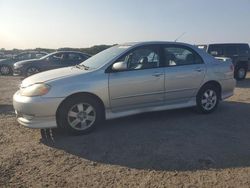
(232, 67)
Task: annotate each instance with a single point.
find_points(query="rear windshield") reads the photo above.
(228, 49)
(243, 49)
(215, 50)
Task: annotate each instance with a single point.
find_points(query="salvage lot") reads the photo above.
(170, 148)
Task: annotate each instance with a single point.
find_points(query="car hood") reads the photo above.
(7, 61)
(27, 61)
(52, 75)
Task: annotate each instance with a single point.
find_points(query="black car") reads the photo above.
(6, 65)
(238, 52)
(51, 61)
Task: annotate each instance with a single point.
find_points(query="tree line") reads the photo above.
(91, 50)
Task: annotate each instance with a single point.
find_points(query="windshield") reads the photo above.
(46, 56)
(105, 56)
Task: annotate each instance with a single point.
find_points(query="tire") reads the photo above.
(207, 99)
(79, 114)
(240, 73)
(31, 70)
(5, 70)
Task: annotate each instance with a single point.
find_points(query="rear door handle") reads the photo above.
(157, 74)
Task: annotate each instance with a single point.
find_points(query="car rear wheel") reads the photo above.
(5, 70)
(240, 73)
(207, 99)
(31, 70)
(79, 115)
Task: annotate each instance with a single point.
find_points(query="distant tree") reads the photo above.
(48, 50)
(91, 51)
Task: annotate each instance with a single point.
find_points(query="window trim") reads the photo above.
(156, 46)
(184, 47)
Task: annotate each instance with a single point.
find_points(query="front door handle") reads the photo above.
(198, 69)
(157, 74)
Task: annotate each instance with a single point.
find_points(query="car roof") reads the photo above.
(25, 52)
(64, 51)
(153, 42)
(68, 51)
(236, 44)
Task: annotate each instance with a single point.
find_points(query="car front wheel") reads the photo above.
(79, 115)
(5, 70)
(207, 99)
(31, 70)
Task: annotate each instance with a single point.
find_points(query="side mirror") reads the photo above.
(119, 66)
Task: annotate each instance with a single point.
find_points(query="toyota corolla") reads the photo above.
(124, 80)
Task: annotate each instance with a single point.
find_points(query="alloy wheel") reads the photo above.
(5, 70)
(32, 71)
(241, 73)
(209, 99)
(81, 116)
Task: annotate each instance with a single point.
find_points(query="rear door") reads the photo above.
(142, 84)
(184, 73)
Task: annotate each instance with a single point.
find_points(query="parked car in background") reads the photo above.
(238, 52)
(124, 80)
(51, 61)
(2, 56)
(6, 65)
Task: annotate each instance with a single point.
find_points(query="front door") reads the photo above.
(55, 61)
(142, 84)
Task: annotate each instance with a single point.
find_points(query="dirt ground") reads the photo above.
(177, 148)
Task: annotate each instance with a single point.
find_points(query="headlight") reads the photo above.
(17, 66)
(35, 90)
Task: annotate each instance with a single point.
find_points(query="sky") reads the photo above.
(84, 23)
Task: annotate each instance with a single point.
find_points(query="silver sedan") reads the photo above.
(124, 80)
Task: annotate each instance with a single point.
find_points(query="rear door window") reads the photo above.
(180, 55)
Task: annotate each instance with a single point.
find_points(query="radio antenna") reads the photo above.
(180, 36)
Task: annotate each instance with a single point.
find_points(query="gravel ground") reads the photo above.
(177, 148)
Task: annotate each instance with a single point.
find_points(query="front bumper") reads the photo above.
(17, 72)
(36, 112)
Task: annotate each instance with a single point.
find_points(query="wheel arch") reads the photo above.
(82, 94)
(27, 67)
(242, 64)
(213, 83)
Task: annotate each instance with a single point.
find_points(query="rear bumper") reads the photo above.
(227, 88)
(36, 112)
